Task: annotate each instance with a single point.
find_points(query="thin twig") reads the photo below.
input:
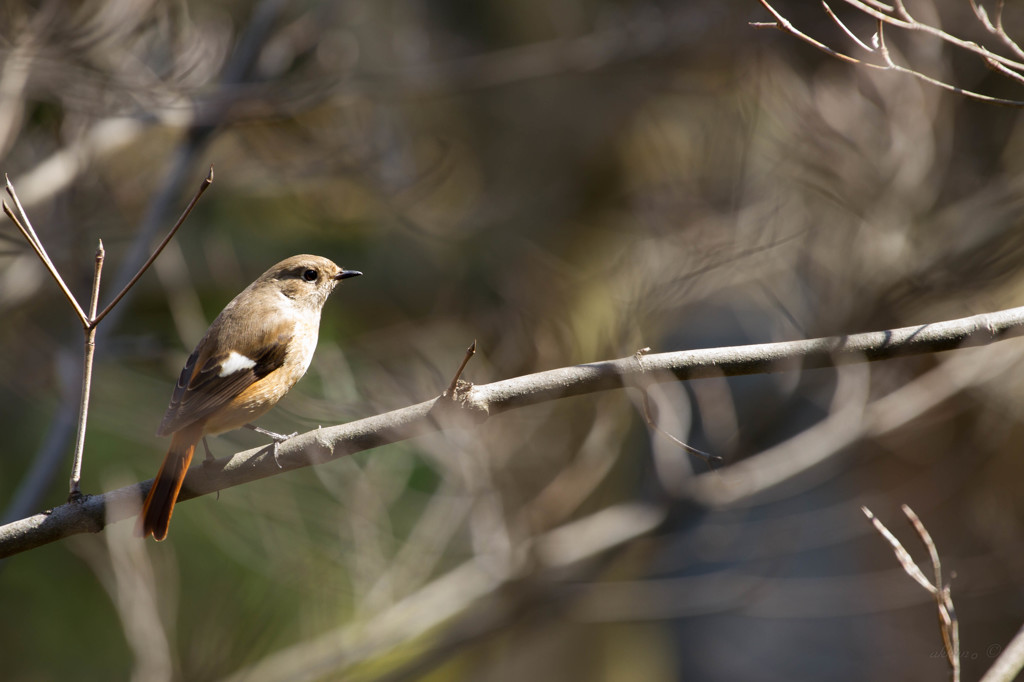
(845, 29)
(91, 320)
(652, 423)
(914, 25)
(31, 231)
(74, 492)
(926, 540)
(883, 49)
(145, 266)
(902, 555)
(883, 15)
(1005, 70)
(1000, 31)
(41, 252)
(982, 16)
(1016, 103)
(783, 24)
(31, 490)
(949, 628)
(470, 352)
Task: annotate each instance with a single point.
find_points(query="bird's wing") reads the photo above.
(212, 378)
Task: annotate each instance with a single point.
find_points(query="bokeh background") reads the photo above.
(565, 182)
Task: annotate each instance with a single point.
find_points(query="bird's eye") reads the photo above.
(309, 274)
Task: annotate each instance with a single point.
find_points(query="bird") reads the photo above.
(256, 349)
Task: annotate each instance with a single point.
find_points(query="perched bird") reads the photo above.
(254, 352)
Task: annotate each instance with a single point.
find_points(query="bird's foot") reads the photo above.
(278, 438)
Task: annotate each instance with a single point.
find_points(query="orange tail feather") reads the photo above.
(159, 505)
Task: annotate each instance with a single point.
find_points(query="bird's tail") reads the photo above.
(159, 504)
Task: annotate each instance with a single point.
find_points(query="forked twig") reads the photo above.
(786, 26)
(949, 626)
(91, 320)
(850, 34)
(901, 9)
(75, 491)
(943, 599)
(1000, 30)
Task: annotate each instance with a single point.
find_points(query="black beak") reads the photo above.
(345, 274)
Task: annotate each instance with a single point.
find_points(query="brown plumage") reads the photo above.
(254, 352)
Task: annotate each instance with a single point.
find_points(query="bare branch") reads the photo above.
(883, 49)
(982, 15)
(482, 402)
(943, 599)
(899, 17)
(74, 491)
(199, 132)
(91, 320)
(786, 26)
(901, 10)
(1000, 30)
(1005, 70)
(845, 29)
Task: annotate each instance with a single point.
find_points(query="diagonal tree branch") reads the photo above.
(475, 404)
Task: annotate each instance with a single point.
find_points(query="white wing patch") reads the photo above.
(236, 362)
